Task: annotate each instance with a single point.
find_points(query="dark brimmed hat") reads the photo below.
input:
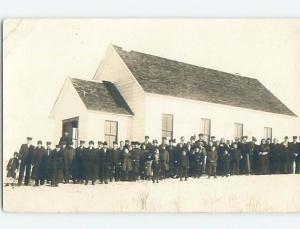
(48, 143)
(57, 146)
(294, 137)
(212, 136)
(126, 141)
(91, 142)
(100, 143)
(164, 138)
(155, 141)
(193, 138)
(254, 139)
(82, 141)
(286, 137)
(105, 143)
(146, 136)
(200, 135)
(174, 140)
(39, 142)
(115, 142)
(29, 138)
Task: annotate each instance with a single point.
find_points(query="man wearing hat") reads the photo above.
(90, 163)
(284, 156)
(245, 163)
(293, 153)
(173, 158)
(252, 148)
(77, 165)
(48, 153)
(136, 160)
(39, 161)
(115, 169)
(69, 153)
(25, 155)
(275, 150)
(104, 163)
(56, 165)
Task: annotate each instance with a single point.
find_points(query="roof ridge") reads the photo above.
(185, 63)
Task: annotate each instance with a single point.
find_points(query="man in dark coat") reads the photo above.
(115, 157)
(275, 149)
(77, 165)
(255, 157)
(69, 153)
(164, 160)
(235, 159)
(284, 156)
(251, 148)
(184, 164)
(104, 163)
(156, 166)
(212, 158)
(293, 153)
(172, 158)
(224, 154)
(25, 153)
(198, 162)
(136, 158)
(90, 164)
(48, 169)
(57, 165)
(263, 157)
(127, 163)
(245, 162)
(39, 161)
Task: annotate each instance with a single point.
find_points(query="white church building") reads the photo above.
(134, 94)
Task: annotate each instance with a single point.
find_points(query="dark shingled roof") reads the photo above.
(168, 77)
(101, 96)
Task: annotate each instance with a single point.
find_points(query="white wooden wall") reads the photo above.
(188, 114)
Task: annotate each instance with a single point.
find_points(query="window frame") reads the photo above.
(266, 132)
(166, 132)
(204, 121)
(109, 135)
(238, 124)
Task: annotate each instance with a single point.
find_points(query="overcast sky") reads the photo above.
(40, 54)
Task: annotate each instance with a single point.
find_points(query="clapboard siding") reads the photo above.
(114, 70)
(187, 116)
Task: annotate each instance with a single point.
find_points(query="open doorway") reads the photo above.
(71, 127)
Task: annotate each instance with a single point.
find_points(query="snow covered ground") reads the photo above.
(271, 193)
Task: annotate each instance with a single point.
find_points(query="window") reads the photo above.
(238, 130)
(167, 126)
(71, 127)
(111, 132)
(268, 132)
(205, 128)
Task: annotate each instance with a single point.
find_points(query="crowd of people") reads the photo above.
(131, 161)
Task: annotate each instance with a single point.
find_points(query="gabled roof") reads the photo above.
(101, 96)
(168, 77)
